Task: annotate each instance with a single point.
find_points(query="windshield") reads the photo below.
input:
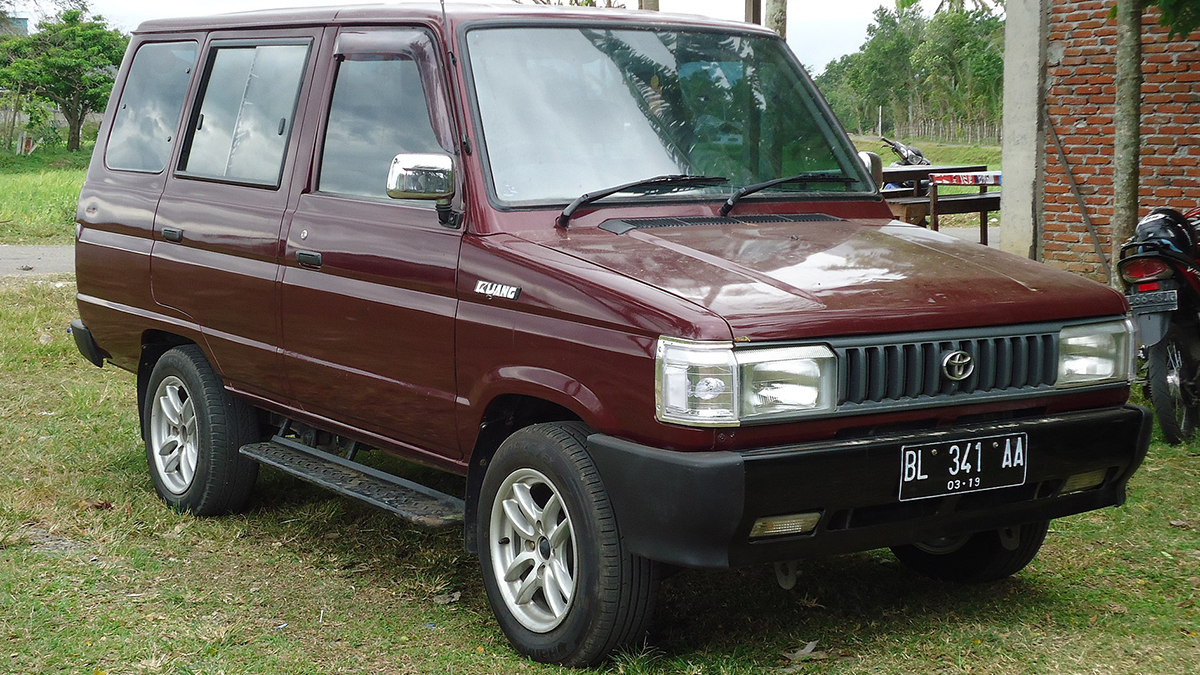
(570, 110)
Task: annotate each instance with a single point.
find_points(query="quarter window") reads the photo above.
(248, 103)
(379, 110)
(148, 115)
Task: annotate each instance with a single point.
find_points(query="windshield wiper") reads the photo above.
(798, 178)
(668, 183)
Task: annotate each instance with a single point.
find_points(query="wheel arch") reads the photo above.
(155, 343)
(504, 415)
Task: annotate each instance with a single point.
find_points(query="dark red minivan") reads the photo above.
(622, 271)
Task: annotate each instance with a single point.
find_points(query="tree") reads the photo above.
(71, 60)
(777, 16)
(1181, 17)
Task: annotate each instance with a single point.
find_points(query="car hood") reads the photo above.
(840, 277)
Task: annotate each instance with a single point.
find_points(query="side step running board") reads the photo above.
(411, 501)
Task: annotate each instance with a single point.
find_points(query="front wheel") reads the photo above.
(1170, 371)
(976, 558)
(561, 584)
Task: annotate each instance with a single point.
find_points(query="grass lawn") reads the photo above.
(937, 153)
(98, 576)
(38, 195)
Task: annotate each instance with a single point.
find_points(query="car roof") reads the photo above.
(455, 13)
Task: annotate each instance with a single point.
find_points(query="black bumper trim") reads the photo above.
(696, 509)
(86, 344)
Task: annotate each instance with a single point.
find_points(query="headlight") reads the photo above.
(709, 384)
(696, 383)
(1095, 353)
(786, 381)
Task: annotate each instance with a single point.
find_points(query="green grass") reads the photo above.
(938, 153)
(38, 194)
(308, 582)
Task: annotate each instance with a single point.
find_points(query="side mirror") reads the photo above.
(421, 176)
(874, 164)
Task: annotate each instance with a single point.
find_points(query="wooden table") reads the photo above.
(918, 174)
(914, 204)
(981, 203)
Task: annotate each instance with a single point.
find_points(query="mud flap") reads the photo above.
(1152, 327)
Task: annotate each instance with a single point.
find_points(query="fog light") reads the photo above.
(1084, 481)
(778, 526)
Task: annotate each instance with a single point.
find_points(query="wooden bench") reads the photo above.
(912, 209)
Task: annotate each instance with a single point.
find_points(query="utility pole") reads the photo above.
(777, 17)
(651, 5)
(753, 12)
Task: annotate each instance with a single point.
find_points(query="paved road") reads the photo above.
(971, 233)
(30, 260)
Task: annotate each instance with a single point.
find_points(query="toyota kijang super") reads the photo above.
(621, 272)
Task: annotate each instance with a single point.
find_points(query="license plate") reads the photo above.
(964, 465)
(1154, 301)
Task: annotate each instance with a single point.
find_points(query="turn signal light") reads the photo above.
(778, 526)
(1084, 481)
(1144, 269)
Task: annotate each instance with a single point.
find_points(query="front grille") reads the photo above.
(911, 370)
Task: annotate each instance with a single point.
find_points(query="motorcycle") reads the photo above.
(1160, 269)
(909, 156)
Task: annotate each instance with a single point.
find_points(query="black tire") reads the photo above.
(222, 478)
(977, 558)
(614, 591)
(1169, 371)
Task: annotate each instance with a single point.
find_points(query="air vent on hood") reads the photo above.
(623, 226)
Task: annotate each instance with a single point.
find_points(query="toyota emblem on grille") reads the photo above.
(958, 366)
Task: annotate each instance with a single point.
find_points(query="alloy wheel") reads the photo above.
(173, 435)
(533, 550)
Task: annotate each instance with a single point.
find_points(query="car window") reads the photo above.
(147, 116)
(379, 110)
(249, 99)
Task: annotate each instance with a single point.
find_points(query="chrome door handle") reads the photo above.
(309, 259)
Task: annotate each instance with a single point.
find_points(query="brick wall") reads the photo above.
(1080, 92)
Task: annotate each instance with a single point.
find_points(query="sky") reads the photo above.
(819, 31)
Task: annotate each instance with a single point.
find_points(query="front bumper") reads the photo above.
(696, 509)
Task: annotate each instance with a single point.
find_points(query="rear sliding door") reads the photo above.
(216, 249)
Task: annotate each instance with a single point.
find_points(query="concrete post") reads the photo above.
(1024, 145)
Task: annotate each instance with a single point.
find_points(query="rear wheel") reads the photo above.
(1171, 370)
(563, 588)
(976, 558)
(194, 429)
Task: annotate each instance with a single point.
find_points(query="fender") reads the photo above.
(1152, 327)
(537, 382)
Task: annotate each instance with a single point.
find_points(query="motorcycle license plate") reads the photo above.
(964, 465)
(1154, 301)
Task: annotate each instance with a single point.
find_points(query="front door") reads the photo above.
(368, 294)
